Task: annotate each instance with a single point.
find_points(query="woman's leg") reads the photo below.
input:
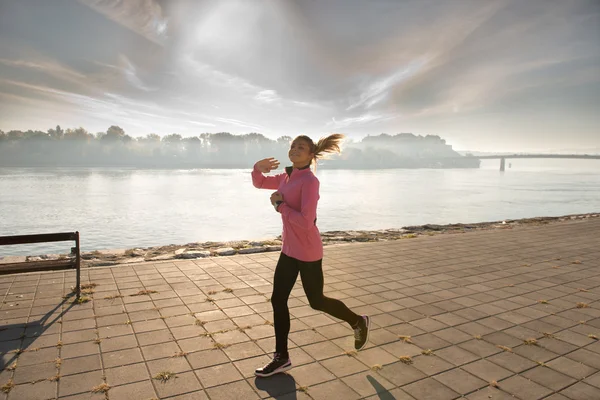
(311, 274)
(286, 274)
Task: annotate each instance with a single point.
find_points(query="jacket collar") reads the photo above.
(291, 168)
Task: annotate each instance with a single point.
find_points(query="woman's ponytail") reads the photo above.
(328, 144)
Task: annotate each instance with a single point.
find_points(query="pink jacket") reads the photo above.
(300, 189)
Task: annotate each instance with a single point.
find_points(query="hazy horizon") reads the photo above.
(501, 76)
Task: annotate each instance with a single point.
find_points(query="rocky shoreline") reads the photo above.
(222, 249)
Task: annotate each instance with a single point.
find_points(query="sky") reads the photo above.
(498, 75)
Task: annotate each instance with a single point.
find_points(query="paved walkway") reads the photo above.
(484, 315)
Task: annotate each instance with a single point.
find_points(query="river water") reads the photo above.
(140, 208)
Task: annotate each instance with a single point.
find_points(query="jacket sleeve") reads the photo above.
(265, 182)
(305, 218)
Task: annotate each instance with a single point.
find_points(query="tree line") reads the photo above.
(60, 147)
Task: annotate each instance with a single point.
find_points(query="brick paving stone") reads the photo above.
(311, 374)
(557, 396)
(115, 330)
(535, 353)
(453, 335)
(487, 370)
(460, 381)
(502, 339)
(368, 383)
(121, 357)
(431, 365)
(33, 373)
(430, 341)
(429, 388)
(299, 356)
(195, 344)
(490, 393)
(77, 365)
(235, 390)
(456, 355)
(549, 378)
(161, 350)
(524, 389)
(378, 337)
(480, 348)
(593, 380)
(218, 375)
(323, 350)
(35, 357)
(375, 355)
(572, 368)
(474, 329)
(79, 383)
(38, 391)
(79, 349)
(400, 348)
(333, 389)
(206, 358)
(243, 350)
(138, 390)
(182, 383)
(343, 365)
(512, 362)
(126, 374)
(401, 374)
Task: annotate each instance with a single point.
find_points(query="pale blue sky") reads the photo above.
(496, 75)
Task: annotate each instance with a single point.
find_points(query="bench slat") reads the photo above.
(41, 238)
(36, 266)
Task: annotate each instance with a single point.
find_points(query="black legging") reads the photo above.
(311, 274)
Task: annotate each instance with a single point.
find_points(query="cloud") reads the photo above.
(236, 122)
(145, 17)
(131, 74)
(363, 119)
(267, 96)
(378, 90)
(50, 67)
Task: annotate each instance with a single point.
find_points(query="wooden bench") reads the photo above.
(44, 265)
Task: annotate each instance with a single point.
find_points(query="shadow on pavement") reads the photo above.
(278, 385)
(381, 391)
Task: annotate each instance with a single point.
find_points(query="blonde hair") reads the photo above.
(325, 145)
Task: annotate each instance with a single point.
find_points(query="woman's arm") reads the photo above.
(305, 218)
(265, 182)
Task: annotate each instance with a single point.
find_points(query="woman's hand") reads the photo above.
(275, 197)
(267, 165)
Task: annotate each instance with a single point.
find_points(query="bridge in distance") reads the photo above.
(503, 157)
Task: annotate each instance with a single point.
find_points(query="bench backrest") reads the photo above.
(44, 265)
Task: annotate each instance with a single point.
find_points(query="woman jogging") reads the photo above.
(296, 197)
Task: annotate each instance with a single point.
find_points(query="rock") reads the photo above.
(168, 256)
(179, 251)
(189, 254)
(101, 263)
(132, 260)
(136, 253)
(273, 248)
(35, 258)
(12, 259)
(252, 250)
(193, 254)
(225, 251)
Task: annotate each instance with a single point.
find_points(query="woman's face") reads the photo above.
(300, 154)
